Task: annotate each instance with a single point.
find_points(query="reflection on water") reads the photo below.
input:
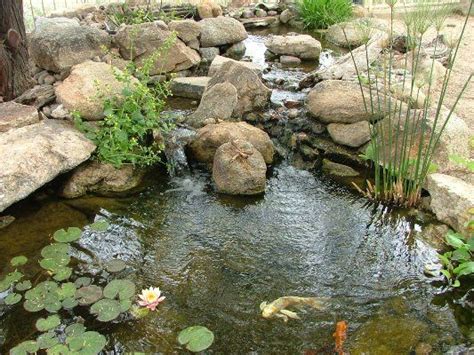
(218, 257)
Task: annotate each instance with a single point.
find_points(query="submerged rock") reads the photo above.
(218, 102)
(80, 91)
(212, 136)
(239, 169)
(34, 155)
(59, 43)
(252, 93)
(101, 178)
(13, 115)
(451, 199)
(301, 46)
(352, 134)
(337, 169)
(220, 31)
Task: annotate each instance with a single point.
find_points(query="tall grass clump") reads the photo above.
(404, 141)
(320, 14)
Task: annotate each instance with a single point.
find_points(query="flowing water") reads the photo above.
(216, 258)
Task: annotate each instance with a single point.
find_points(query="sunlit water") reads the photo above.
(217, 258)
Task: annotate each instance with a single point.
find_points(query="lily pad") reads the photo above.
(54, 264)
(106, 310)
(47, 340)
(100, 226)
(69, 303)
(196, 338)
(58, 349)
(27, 347)
(115, 265)
(62, 274)
(19, 260)
(55, 250)
(83, 281)
(45, 324)
(23, 286)
(124, 289)
(12, 298)
(66, 236)
(43, 296)
(125, 305)
(88, 295)
(9, 280)
(75, 329)
(86, 343)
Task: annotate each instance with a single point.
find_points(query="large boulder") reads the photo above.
(191, 87)
(59, 43)
(301, 46)
(353, 34)
(218, 102)
(13, 115)
(239, 169)
(220, 31)
(209, 9)
(451, 200)
(147, 39)
(102, 179)
(34, 155)
(186, 30)
(212, 136)
(87, 86)
(353, 134)
(337, 101)
(219, 61)
(252, 93)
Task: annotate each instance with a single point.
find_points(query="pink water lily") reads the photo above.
(150, 298)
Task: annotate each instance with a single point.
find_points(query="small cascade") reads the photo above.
(176, 142)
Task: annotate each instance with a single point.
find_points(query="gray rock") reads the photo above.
(102, 179)
(148, 38)
(208, 54)
(248, 13)
(354, 33)
(289, 61)
(219, 61)
(352, 134)
(187, 30)
(301, 46)
(38, 96)
(236, 51)
(261, 13)
(252, 93)
(60, 113)
(34, 155)
(218, 102)
(13, 115)
(59, 43)
(239, 169)
(191, 88)
(220, 31)
(336, 169)
(451, 199)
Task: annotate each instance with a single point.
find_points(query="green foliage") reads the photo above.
(465, 162)
(100, 226)
(45, 324)
(125, 136)
(19, 260)
(66, 236)
(131, 16)
(320, 14)
(196, 338)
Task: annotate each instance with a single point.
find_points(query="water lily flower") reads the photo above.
(150, 298)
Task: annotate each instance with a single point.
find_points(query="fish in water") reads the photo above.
(340, 336)
(278, 308)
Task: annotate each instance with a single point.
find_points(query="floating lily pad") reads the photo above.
(47, 340)
(86, 343)
(75, 329)
(9, 280)
(67, 290)
(62, 274)
(55, 250)
(58, 349)
(82, 281)
(100, 226)
(125, 305)
(106, 310)
(54, 264)
(69, 303)
(88, 295)
(43, 296)
(124, 289)
(23, 286)
(19, 260)
(45, 324)
(196, 338)
(12, 298)
(66, 236)
(115, 265)
(27, 347)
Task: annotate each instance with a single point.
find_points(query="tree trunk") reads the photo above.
(15, 76)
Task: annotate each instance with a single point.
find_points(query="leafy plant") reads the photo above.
(321, 14)
(131, 16)
(125, 136)
(406, 136)
(196, 338)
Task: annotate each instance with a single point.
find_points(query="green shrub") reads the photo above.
(125, 136)
(324, 13)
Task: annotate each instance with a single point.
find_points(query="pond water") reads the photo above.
(216, 258)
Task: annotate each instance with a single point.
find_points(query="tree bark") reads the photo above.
(15, 76)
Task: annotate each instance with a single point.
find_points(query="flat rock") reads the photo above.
(13, 115)
(451, 199)
(38, 96)
(353, 134)
(186, 30)
(301, 46)
(220, 31)
(219, 61)
(34, 155)
(191, 87)
(337, 169)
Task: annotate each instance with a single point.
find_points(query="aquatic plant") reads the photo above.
(151, 298)
(404, 135)
(320, 14)
(53, 291)
(196, 338)
(125, 136)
